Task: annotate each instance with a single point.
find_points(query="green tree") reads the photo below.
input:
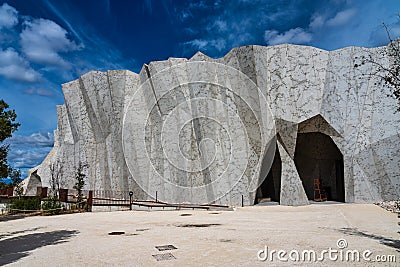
(16, 180)
(80, 181)
(7, 127)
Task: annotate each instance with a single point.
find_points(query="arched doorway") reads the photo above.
(270, 188)
(317, 156)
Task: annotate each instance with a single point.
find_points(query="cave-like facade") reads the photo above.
(261, 122)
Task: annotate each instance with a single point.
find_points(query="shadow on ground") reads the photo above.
(3, 235)
(15, 248)
(393, 243)
(6, 218)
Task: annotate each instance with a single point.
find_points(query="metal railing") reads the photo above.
(110, 198)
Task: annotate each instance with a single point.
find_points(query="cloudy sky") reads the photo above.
(45, 43)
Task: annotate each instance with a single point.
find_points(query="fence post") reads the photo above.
(63, 193)
(42, 192)
(90, 200)
(156, 197)
(130, 200)
(242, 201)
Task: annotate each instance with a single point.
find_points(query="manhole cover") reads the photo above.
(165, 247)
(196, 225)
(186, 214)
(116, 233)
(164, 257)
(214, 213)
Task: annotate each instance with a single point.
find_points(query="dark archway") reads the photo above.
(317, 156)
(271, 186)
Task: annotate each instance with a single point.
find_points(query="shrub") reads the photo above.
(26, 204)
(53, 205)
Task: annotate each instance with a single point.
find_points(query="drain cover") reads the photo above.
(116, 233)
(164, 257)
(198, 225)
(165, 247)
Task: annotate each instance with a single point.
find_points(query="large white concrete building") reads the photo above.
(261, 122)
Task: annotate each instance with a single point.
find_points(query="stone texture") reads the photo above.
(204, 130)
(292, 191)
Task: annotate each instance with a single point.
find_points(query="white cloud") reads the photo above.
(200, 44)
(8, 16)
(184, 15)
(64, 20)
(22, 158)
(38, 91)
(219, 25)
(341, 17)
(39, 139)
(270, 35)
(292, 36)
(29, 151)
(197, 5)
(43, 40)
(13, 66)
(224, 27)
(317, 21)
(219, 44)
(238, 39)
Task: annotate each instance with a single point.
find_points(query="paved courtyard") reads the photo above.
(203, 238)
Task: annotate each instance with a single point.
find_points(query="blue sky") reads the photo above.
(46, 43)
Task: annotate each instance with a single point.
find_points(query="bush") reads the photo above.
(26, 204)
(53, 205)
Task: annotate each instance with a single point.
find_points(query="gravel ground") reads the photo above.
(201, 238)
(393, 206)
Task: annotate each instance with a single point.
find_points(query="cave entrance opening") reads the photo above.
(318, 157)
(270, 189)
